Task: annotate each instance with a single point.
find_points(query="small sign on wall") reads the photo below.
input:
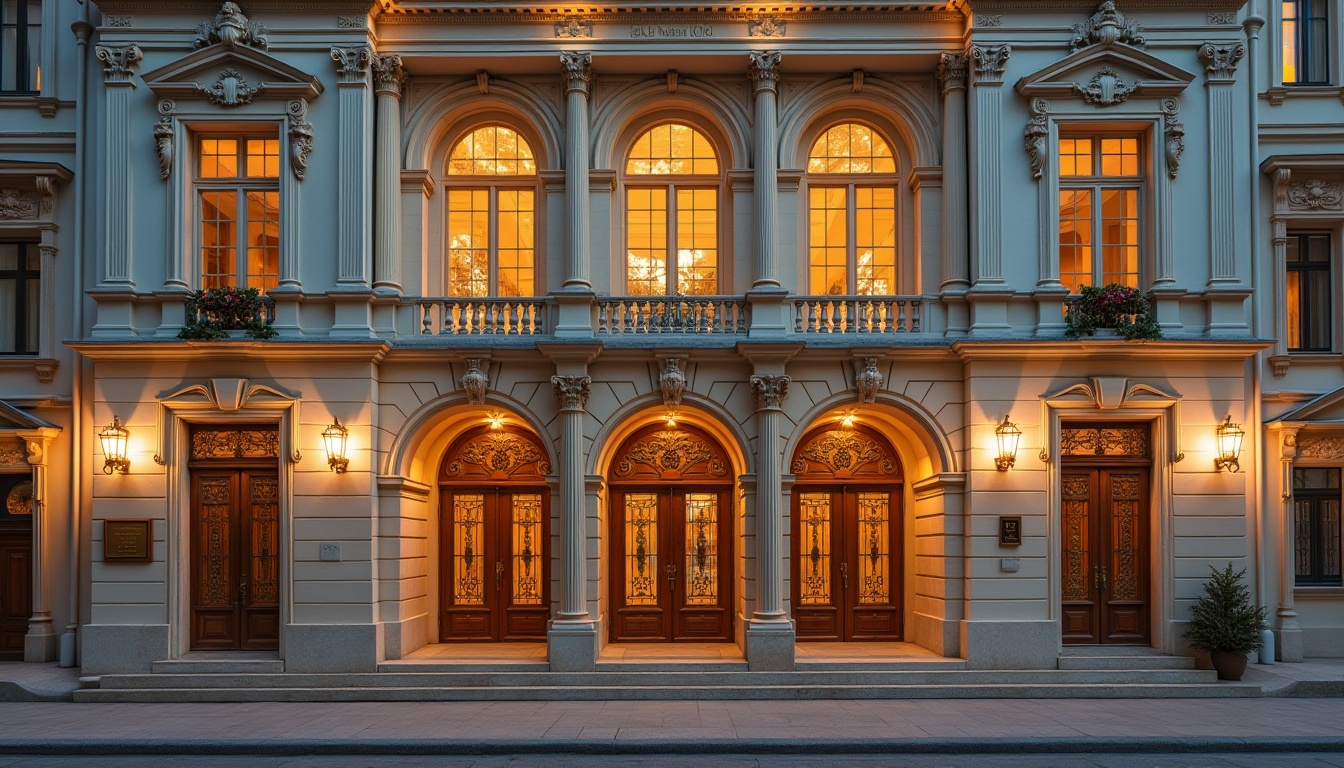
(128, 541)
(1010, 530)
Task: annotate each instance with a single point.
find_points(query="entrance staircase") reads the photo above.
(1078, 675)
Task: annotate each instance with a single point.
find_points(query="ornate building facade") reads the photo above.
(639, 324)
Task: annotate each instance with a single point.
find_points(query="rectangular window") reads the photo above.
(1317, 527)
(20, 298)
(1100, 179)
(20, 46)
(238, 188)
(1308, 304)
(1306, 42)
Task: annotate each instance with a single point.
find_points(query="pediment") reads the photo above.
(1328, 408)
(1105, 75)
(12, 418)
(232, 75)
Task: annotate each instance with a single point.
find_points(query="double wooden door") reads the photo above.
(16, 558)
(235, 559)
(1105, 562)
(671, 564)
(495, 579)
(846, 563)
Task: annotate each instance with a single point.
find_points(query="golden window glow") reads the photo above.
(850, 148)
(815, 549)
(238, 180)
(681, 258)
(672, 149)
(702, 549)
(852, 225)
(492, 226)
(469, 549)
(641, 549)
(1100, 179)
(527, 571)
(874, 548)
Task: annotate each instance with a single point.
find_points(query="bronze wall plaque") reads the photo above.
(1010, 530)
(128, 541)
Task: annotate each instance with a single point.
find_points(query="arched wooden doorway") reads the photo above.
(494, 533)
(846, 542)
(671, 537)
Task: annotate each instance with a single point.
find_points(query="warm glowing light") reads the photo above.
(114, 438)
(1229, 445)
(671, 417)
(496, 419)
(848, 418)
(1007, 435)
(334, 438)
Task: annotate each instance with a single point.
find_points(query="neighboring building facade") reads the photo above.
(644, 324)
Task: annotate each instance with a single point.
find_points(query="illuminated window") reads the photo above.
(672, 213)
(1306, 42)
(492, 180)
(851, 213)
(20, 298)
(20, 46)
(1310, 312)
(1099, 182)
(1316, 519)
(238, 192)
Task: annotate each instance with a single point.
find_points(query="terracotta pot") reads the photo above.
(1230, 666)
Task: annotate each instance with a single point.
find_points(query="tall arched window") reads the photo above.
(491, 233)
(672, 213)
(851, 200)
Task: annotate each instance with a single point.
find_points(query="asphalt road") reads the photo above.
(1239, 760)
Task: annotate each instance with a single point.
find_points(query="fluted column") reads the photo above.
(572, 391)
(956, 269)
(1220, 63)
(987, 204)
(353, 167)
(578, 75)
(40, 644)
(764, 82)
(1290, 628)
(388, 77)
(118, 76)
(769, 392)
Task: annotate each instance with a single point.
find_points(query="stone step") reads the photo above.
(635, 693)
(1126, 662)
(218, 667)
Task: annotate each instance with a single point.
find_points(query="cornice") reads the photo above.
(208, 8)
(1148, 351)
(231, 351)
(1086, 7)
(934, 12)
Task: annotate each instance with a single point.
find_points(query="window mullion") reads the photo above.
(492, 242)
(671, 258)
(852, 238)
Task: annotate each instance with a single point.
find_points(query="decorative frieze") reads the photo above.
(1036, 136)
(1105, 89)
(989, 20)
(769, 391)
(766, 27)
(474, 382)
(574, 27)
(231, 28)
(868, 380)
(14, 204)
(1315, 193)
(1105, 441)
(224, 443)
(12, 452)
(352, 22)
(572, 391)
(1320, 447)
(1227, 17)
(1107, 26)
(120, 22)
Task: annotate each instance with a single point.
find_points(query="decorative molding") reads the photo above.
(1320, 447)
(229, 443)
(1105, 89)
(844, 452)
(951, 71)
(231, 28)
(868, 380)
(231, 89)
(771, 26)
(769, 391)
(572, 391)
(1036, 136)
(1220, 59)
(230, 395)
(990, 61)
(672, 382)
(474, 382)
(14, 204)
(388, 74)
(1113, 393)
(1105, 441)
(118, 61)
(1174, 135)
(764, 70)
(671, 452)
(989, 20)
(501, 455)
(163, 138)
(1107, 26)
(300, 137)
(352, 63)
(12, 452)
(352, 22)
(1227, 17)
(482, 82)
(577, 70)
(574, 27)
(121, 22)
(1315, 193)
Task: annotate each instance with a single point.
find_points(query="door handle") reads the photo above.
(1096, 577)
(499, 575)
(844, 575)
(1103, 577)
(242, 590)
(672, 577)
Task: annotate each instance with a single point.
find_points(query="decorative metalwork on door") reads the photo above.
(846, 537)
(1105, 555)
(235, 552)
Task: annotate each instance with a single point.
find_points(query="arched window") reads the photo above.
(851, 201)
(672, 213)
(491, 233)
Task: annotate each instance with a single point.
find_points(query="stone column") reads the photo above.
(353, 167)
(770, 635)
(40, 644)
(956, 269)
(118, 71)
(764, 80)
(572, 636)
(986, 203)
(578, 74)
(1289, 638)
(1220, 63)
(388, 77)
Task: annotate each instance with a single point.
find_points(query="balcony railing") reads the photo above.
(463, 316)
(717, 315)
(857, 314)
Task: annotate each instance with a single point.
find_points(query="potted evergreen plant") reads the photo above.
(1225, 623)
(1114, 307)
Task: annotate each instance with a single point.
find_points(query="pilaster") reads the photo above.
(119, 64)
(1220, 64)
(1289, 640)
(952, 72)
(353, 167)
(388, 77)
(986, 203)
(41, 642)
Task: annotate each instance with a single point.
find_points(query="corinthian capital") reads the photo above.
(572, 391)
(952, 71)
(352, 63)
(764, 70)
(1220, 59)
(989, 62)
(118, 61)
(577, 69)
(769, 391)
(388, 76)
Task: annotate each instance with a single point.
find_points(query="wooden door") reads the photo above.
(1105, 563)
(16, 558)
(846, 553)
(670, 565)
(235, 559)
(495, 580)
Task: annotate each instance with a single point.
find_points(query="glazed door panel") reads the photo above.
(846, 562)
(235, 560)
(495, 577)
(671, 565)
(1105, 563)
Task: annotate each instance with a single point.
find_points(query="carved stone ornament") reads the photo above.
(672, 382)
(572, 391)
(231, 89)
(12, 452)
(574, 27)
(19, 500)
(231, 28)
(388, 74)
(577, 70)
(118, 61)
(1315, 193)
(989, 20)
(868, 380)
(764, 69)
(1105, 441)
(352, 63)
(163, 138)
(300, 138)
(990, 61)
(228, 443)
(670, 453)
(767, 27)
(769, 391)
(1174, 135)
(1036, 136)
(1105, 89)
(1107, 26)
(352, 22)
(844, 452)
(1320, 447)
(120, 22)
(500, 455)
(1220, 60)
(16, 205)
(474, 382)
(952, 70)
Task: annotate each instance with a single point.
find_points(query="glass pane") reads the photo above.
(1293, 306)
(1330, 563)
(672, 149)
(646, 238)
(1120, 157)
(219, 158)
(1075, 238)
(1075, 157)
(493, 150)
(702, 549)
(32, 313)
(874, 548)
(219, 239)
(527, 542)
(468, 242)
(875, 241)
(263, 240)
(641, 549)
(516, 254)
(697, 242)
(1302, 549)
(262, 158)
(9, 256)
(814, 548)
(850, 148)
(9, 312)
(468, 545)
(1119, 237)
(828, 235)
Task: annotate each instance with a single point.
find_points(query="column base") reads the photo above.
(769, 646)
(571, 645)
(40, 644)
(1289, 645)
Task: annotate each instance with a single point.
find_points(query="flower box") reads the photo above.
(215, 314)
(1110, 310)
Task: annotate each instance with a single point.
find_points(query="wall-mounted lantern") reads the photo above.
(1229, 445)
(114, 438)
(1007, 435)
(334, 438)
(495, 419)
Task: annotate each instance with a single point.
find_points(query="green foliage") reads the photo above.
(213, 312)
(1112, 306)
(1224, 619)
